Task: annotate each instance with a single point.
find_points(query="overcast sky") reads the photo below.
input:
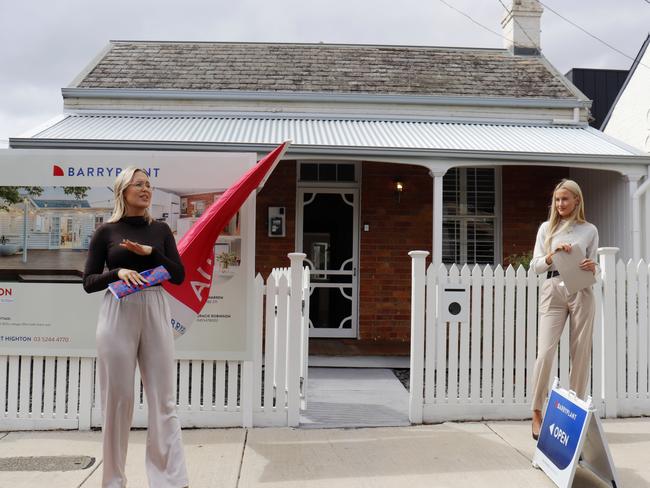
(44, 44)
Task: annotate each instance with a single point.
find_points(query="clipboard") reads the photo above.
(568, 265)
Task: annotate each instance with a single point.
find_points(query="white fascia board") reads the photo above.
(157, 94)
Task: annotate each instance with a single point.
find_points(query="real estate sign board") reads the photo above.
(52, 201)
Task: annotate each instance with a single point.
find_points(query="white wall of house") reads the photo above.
(608, 207)
(630, 119)
(629, 122)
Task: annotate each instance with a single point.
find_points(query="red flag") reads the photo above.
(197, 246)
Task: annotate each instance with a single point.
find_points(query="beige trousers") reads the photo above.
(137, 328)
(555, 303)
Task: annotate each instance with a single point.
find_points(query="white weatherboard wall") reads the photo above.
(630, 118)
(608, 207)
(629, 121)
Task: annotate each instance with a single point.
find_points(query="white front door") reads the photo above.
(328, 233)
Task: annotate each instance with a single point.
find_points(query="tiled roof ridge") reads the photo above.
(313, 44)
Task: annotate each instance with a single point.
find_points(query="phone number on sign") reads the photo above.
(51, 339)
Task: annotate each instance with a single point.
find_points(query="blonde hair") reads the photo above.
(122, 182)
(555, 224)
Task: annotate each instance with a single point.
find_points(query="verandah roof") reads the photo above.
(361, 137)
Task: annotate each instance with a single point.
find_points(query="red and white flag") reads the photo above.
(197, 246)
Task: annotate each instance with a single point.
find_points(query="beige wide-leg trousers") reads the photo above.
(555, 303)
(136, 328)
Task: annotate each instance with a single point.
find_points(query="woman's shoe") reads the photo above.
(537, 424)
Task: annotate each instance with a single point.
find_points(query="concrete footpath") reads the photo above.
(483, 454)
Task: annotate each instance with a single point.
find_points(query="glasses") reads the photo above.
(142, 185)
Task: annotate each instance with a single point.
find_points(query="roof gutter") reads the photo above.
(273, 96)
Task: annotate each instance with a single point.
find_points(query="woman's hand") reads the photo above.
(588, 265)
(130, 276)
(561, 247)
(139, 249)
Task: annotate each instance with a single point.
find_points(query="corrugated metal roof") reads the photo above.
(375, 134)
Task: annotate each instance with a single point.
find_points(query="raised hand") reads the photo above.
(140, 249)
(563, 247)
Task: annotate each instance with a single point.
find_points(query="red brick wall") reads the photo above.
(526, 197)
(279, 191)
(395, 229)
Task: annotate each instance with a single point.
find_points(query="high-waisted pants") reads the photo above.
(555, 303)
(137, 328)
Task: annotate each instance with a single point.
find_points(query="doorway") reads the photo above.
(328, 233)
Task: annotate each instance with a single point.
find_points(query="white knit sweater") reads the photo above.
(585, 235)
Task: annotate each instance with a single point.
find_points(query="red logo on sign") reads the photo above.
(57, 170)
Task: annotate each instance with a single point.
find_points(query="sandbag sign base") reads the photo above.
(572, 435)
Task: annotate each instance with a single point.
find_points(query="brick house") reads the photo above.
(395, 148)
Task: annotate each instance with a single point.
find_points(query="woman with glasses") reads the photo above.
(136, 329)
(566, 228)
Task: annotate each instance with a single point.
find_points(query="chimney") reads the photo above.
(522, 27)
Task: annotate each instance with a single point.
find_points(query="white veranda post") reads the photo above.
(436, 257)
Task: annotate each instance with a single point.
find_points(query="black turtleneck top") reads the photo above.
(104, 250)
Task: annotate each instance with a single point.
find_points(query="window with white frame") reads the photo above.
(469, 223)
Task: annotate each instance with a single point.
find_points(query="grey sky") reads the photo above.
(45, 44)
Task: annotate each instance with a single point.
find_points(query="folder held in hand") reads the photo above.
(154, 276)
(568, 265)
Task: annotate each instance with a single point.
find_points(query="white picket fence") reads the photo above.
(40, 393)
(481, 368)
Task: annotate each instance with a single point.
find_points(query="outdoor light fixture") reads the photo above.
(399, 186)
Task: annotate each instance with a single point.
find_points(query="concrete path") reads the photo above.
(488, 454)
(354, 397)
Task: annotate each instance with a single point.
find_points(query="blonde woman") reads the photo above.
(136, 329)
(566, 227)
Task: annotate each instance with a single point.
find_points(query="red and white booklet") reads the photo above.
(153, 276)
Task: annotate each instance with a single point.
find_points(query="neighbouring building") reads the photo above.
(628, 120)
(601, 86)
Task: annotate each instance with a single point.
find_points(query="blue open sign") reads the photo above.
(563, 424)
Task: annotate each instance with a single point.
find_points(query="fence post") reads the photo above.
(294, 361)
(608, 310)
(86, 379)
(418, 285)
